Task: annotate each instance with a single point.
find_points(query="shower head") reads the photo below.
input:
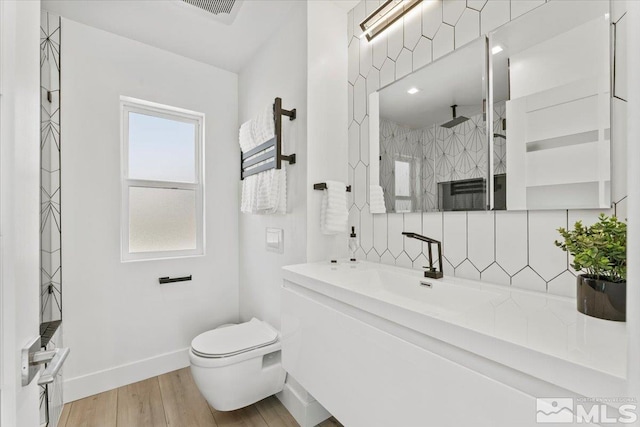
(456, 120)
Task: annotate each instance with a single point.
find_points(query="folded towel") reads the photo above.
(376, 199)
(334, 215)
(246, 139)
(271, 197)
(263, 127)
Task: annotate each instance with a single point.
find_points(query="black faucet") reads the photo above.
(431, 272)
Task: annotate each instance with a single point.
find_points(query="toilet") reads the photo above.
(237, 365)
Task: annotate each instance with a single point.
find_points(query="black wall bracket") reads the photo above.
(323, 186)
(168, 279)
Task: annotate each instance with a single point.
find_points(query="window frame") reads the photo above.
(133, 105)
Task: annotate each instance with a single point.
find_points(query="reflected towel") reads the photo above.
(376, 199)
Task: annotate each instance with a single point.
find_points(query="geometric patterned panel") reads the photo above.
(494, 246)
(499, 143)
(50, 232)
(401, 144)
(438, 154)
(50, 211)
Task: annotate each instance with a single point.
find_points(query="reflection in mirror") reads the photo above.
(428, 134)
(550, 77)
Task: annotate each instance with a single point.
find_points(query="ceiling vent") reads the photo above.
(224, 11)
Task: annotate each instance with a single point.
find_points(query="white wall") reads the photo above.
(121, 325)
(327, 119)
(279, 69)
(19, 202)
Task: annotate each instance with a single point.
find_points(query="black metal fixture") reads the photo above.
(456, 120)
(270, 151)
(323, 186)
(385, 15)
(431, 271)
(168, 279)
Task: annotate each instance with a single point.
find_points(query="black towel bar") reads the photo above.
(174, 279)
(323, 186)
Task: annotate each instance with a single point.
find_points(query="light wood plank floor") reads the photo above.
(171, 400)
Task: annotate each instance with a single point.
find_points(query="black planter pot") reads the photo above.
(601, 298)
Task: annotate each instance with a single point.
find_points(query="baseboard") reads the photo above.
(307, 413)
(118, 376)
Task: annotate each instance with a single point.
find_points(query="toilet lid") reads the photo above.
(234, 339)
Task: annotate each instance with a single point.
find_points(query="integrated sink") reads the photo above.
(443, 297)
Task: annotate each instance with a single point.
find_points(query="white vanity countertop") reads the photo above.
(539, 334)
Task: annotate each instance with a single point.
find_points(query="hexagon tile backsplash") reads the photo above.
(508, 248)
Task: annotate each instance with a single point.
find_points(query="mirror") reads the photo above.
(429, 136)
(548, 112)
(551, 107)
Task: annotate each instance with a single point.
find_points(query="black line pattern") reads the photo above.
(50, 209)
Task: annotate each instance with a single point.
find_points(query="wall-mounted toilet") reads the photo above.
(237, 365)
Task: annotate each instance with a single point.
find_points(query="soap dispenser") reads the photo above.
(353, 244)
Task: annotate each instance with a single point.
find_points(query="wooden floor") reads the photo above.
(170, 400)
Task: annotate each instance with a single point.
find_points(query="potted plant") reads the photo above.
(600, 252)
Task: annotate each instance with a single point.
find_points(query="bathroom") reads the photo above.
(378, 299)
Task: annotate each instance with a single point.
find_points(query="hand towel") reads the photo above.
(334, 214)
(376, 199)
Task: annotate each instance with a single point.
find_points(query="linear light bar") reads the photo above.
(388, 13)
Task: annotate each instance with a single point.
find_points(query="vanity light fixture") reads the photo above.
(496, 49)
(385, 15)
(413, 90)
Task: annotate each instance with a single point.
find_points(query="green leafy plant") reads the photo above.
(600, 249)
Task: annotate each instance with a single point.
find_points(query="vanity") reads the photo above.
(380, 345)
(523, 118)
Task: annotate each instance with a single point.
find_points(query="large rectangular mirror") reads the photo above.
(551, 107)
(519, 122)
(429, 135)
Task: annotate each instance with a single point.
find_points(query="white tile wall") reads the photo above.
(508, 248)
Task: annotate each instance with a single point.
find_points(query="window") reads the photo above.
(162, 185)
(403, 186)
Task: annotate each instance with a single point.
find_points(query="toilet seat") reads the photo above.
(234, 340)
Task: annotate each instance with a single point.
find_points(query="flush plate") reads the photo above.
(274, 240)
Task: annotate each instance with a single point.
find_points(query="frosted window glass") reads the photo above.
(161, 219)
(161, 149)
(403, 205)
(403, 180)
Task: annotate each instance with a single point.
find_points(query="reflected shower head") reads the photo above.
(456, 120)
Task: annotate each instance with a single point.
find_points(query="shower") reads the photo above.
(456, 119)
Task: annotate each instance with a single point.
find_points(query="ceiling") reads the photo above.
(185, 30)
(454, 79)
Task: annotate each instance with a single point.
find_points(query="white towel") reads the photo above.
(376, 200)
(266, 192)
(263, 127)
(271, 194)
(246, 139)
(334, 214)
